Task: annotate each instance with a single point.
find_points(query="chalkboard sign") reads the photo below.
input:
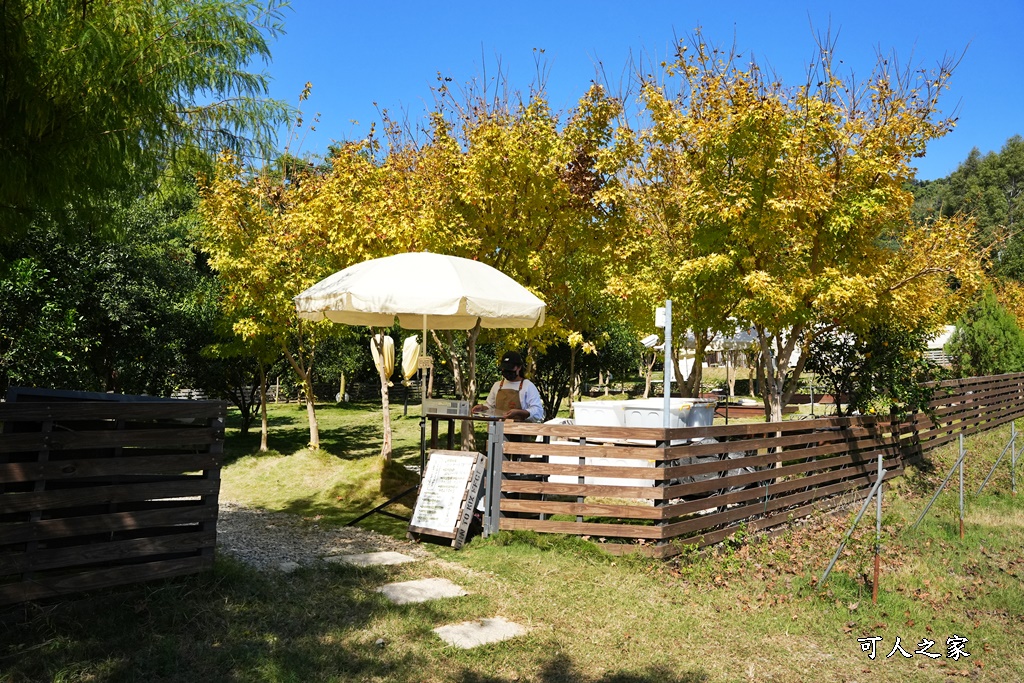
(448, 493)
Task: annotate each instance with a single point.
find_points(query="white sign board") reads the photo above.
(447, 494)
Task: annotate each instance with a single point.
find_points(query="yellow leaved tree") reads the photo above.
(785, 208)
(507, 182)
(272, 235)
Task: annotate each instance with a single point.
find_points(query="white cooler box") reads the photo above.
(599, 413)
(683, 412)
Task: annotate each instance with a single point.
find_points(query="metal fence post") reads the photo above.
(961, 486)
(842, 544)
(878, 532)
(492, 507)
(1011, 445)
(1013, 462)
(941, 486)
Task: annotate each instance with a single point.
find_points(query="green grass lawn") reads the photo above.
(747, 611)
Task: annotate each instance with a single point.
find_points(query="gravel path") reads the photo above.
(277, 541)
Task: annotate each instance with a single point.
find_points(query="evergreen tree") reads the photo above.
(987, 340)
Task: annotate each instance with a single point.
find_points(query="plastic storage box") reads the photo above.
(599, 413)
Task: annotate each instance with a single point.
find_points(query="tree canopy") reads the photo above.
(786, 207)
(128, 311)
(97, 97)
(748, 202)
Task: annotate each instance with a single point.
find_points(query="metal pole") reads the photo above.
(1013, 438)
(842, 544)
(666, 385)
(878, 533)
(492, 508)
(961, 486)
(1013, 462)
(941, 486)
(423, 444)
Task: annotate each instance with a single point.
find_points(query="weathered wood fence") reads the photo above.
(657, 490)
(98, 490)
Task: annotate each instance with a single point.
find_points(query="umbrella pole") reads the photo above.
(423, 403)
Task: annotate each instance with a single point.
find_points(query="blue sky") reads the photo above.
(360, 53)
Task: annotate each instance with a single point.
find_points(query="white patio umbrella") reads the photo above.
(422, 289)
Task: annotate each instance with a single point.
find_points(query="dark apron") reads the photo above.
(507, 399)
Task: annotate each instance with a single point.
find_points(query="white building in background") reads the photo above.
(937, 346)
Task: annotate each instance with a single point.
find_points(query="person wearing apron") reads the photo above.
(513, 397)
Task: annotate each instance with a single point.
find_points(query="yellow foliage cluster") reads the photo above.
(1010, 294)
(510, 184)
(740, 199)
(791, 201)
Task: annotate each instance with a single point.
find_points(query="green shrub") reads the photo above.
(987, 340)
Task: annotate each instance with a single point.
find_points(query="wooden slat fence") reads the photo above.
(658, 490)
(102, 492)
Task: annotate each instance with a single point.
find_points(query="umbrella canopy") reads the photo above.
(385, 364)
(410, 357)
(422, 289)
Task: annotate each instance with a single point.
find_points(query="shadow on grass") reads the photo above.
(562, 669)
(346, 443)
(350, 431)
(235, 623)
(234, 422)
(230, 624)
(397, 484)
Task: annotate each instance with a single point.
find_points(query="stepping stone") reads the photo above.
(469, 634)
(421, 590)
(371, 559)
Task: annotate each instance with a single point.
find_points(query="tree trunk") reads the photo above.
(464, 374)
(314, 427)
(572, 377)
(648, 370)
(305, 372)
(774, 363)
(265, 423)
(377, 339)
(690, 385)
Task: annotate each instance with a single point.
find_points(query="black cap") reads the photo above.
(511, 359)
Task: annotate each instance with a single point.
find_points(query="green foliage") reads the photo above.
(98, 96)
(127, 313)
(616, 352)
(573, 546)
(348, 351)
(987, 340)
(989, 188)
(552, 377)
(880, 371)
